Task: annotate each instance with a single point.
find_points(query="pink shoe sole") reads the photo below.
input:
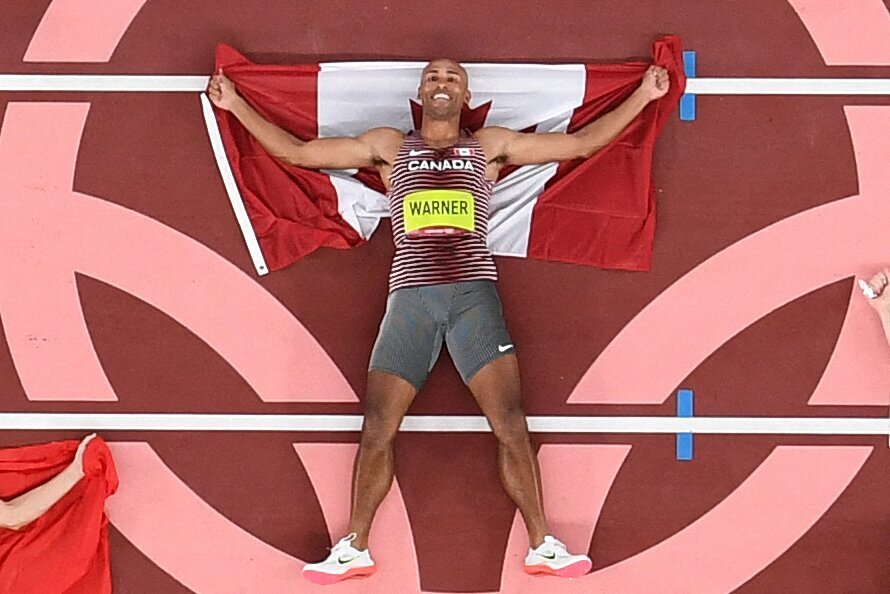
(574, 570)
(326, 579)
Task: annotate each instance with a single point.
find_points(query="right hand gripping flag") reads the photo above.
(598, 211)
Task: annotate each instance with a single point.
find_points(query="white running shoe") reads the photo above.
(343, 563)
(552, 558)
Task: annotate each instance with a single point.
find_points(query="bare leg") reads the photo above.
(386, 402)
(496, 389)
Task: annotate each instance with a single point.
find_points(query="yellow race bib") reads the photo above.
(439, 212)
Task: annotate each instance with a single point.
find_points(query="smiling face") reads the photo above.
(443, 89)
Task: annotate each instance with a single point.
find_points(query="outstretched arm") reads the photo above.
(374, 148)
(515, 148)
(881, 303)
(29, 506)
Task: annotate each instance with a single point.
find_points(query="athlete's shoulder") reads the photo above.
(494, 140)
(384, 142)
(384, 134)
(494, 132)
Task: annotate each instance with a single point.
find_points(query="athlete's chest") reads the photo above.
(418, 164)
(439, 192)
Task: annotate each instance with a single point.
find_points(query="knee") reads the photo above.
(378, 431)
(510, 426)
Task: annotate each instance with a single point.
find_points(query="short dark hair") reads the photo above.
(455, 62)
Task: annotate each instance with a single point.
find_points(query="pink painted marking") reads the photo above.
(207, 552)
(329, 466)
(847, 32)
(657, 349)
(855, 371)
(49, 232)
(775, 506)
(576, 480)
(391, 543)
(81, 30)
(736, 540)
(186, 537)
(42, 317)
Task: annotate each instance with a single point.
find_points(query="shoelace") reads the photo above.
(556, 547)
(344, 542)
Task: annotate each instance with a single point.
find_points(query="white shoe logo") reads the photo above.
(503, 348)
(414, 153)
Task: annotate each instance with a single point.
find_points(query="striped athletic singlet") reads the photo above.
(438, 204)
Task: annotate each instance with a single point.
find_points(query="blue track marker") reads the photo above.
(685, 410)
(687, 101)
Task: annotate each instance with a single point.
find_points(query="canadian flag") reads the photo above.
(598, 211)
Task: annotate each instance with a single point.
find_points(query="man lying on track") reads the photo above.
(439, 181)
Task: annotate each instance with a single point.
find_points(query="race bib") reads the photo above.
(439, 212)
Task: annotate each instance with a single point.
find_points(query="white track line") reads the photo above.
(446, 423)
(788, 86)
(192, 84)
(103, 83)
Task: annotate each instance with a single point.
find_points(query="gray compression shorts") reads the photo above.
(467, 315)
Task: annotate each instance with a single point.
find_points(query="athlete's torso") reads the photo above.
(439, 202)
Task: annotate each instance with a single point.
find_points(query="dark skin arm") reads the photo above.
(376, 148)
(506, 147)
